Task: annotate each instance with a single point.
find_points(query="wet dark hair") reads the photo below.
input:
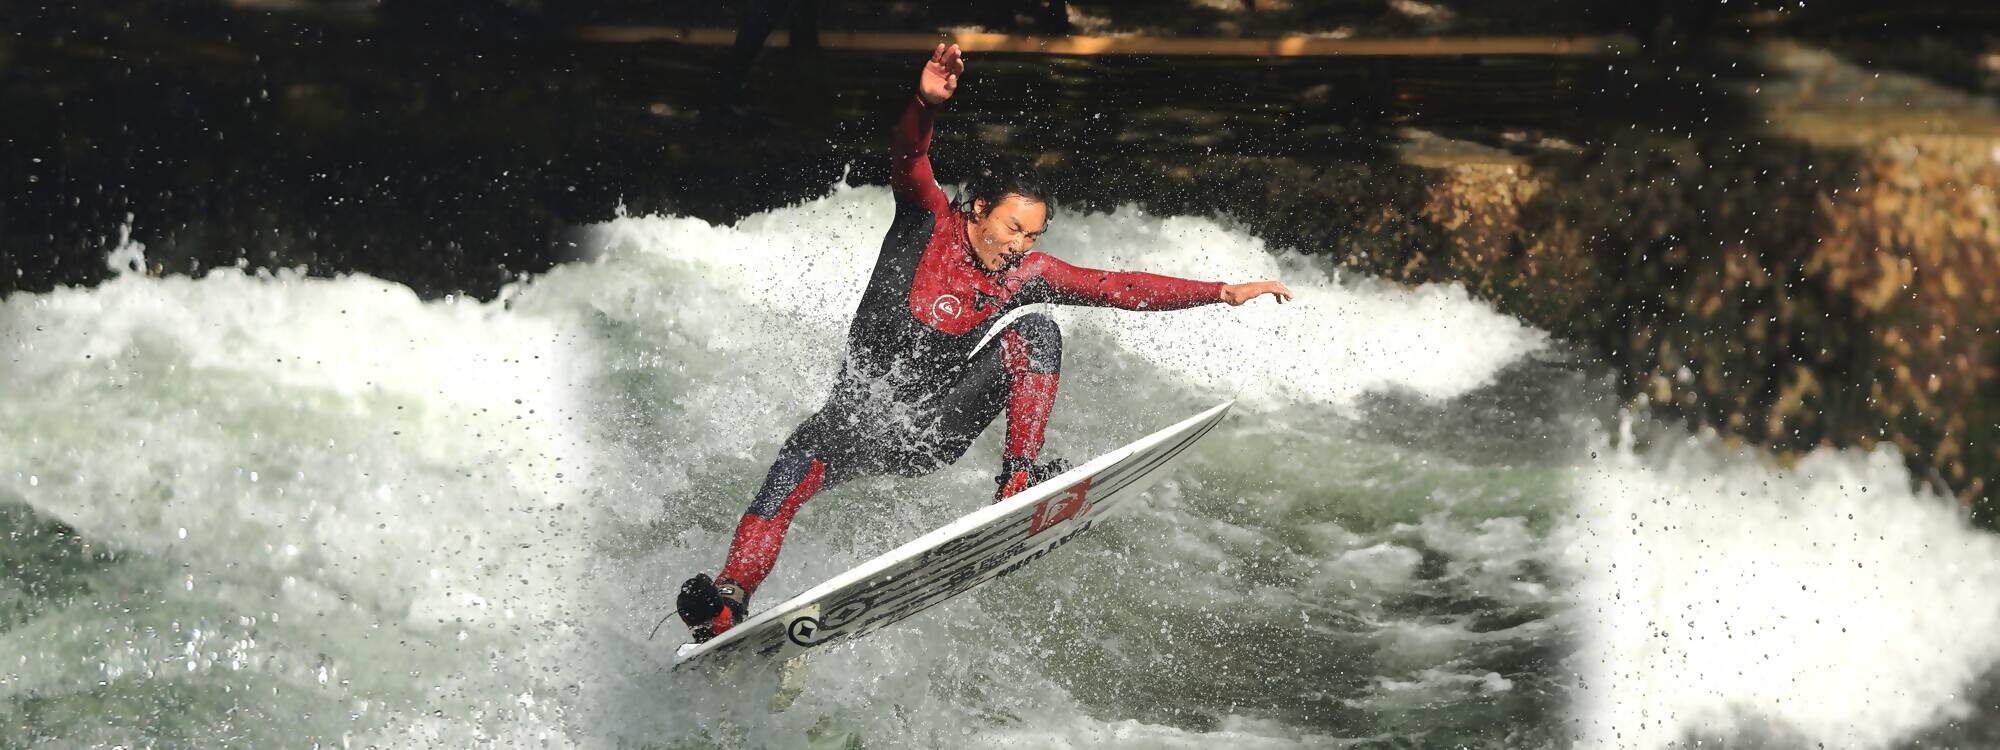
(995, 177)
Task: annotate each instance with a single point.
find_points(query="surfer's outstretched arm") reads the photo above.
(909, 150)
(1237, 294)
(1133, 290)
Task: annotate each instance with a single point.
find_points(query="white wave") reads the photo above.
(1721, 593)
(302, 450)
(331, 475)
(1083, 732)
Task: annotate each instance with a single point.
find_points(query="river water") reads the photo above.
(264, 510)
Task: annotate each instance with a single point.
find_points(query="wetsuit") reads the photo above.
(913, 394)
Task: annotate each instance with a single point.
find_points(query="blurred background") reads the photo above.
(1771, 224)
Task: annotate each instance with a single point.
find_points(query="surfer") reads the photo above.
(917, 386)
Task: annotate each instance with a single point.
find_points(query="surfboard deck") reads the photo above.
(984, 545)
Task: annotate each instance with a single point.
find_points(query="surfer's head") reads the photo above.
(1007, 208)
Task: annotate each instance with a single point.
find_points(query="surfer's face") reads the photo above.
(1003, 232)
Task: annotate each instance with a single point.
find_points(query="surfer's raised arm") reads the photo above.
(909, 147)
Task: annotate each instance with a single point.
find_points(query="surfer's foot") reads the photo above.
(1018, 474)
(712, 607)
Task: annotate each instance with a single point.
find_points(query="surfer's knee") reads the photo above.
(1040, 340)
(787, 485)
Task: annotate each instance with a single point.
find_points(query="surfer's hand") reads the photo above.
(1236, 294)
(940, 76)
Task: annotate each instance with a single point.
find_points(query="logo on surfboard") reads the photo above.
(803, 630)
(1061, 508)
(807, 630)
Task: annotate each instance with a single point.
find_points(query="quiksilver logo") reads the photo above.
(946, 306)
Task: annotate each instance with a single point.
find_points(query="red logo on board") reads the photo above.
(1060, 508)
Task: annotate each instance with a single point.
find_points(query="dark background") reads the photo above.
(447, 145)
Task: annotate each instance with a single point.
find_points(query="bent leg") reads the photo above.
(825, 450)
(1031, 350)
(1017, 372)
(794, 478)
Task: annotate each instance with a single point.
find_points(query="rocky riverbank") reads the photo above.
(1825, 277)
(1789, 295)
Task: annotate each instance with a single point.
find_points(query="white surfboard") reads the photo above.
(986, 544)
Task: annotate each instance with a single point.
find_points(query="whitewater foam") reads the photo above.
(452, 523)
(1832, 601)
(310, 465)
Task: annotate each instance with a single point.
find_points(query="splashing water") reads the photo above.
(265, 509)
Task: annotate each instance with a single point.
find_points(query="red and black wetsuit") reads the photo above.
(913, 393)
